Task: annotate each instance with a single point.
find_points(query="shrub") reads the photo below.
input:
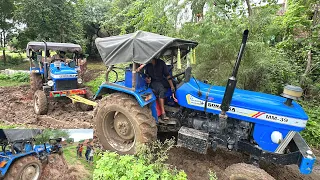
(312, 131)
(149, 163)
(17, 77)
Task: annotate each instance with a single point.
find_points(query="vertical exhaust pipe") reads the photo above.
(232, 81)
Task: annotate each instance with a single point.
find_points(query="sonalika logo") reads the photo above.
(217, 106)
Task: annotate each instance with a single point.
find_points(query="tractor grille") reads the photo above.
(66, 85)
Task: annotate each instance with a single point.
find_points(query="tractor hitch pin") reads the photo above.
(232, 81)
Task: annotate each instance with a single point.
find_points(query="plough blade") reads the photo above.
(76, 98)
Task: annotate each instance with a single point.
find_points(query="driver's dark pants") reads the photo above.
(158, 89)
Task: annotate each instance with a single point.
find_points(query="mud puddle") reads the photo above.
(16, 108)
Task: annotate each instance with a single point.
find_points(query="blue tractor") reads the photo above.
(53, 146)
(56, 76)
(18, 159)
(264, 126)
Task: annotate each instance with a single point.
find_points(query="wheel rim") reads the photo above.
(119, 131)
(36, 104)
(31, 172)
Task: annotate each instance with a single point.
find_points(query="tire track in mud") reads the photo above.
(16, 108)
(197, 166)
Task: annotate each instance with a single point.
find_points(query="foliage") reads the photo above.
(53, 20)
(16, 77)
(312, 132)
(212, 175)
(51, 134)
(70, 140)
(148, 164)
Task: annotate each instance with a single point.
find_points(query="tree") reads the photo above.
(51, 134)
(6, 14)
(51, 20)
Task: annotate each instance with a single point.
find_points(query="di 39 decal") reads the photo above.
(191, 100)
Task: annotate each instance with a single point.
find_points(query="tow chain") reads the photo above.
(76, 98)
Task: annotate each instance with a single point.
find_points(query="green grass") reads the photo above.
(23, 55)
(6, 126)
(71, 157)
(14, 61)
(8, 83)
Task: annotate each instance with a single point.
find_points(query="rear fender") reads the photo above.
(12, 159)
(108, 88)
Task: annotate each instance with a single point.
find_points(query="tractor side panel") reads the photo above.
(246, 105)
(262, 136)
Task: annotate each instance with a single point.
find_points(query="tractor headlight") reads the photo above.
(79, 80)
(50, 83)
(276, 137)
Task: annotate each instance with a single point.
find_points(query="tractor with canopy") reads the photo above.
(56, 76)
(264, 126)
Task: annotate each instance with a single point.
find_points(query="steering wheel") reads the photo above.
(186, 74)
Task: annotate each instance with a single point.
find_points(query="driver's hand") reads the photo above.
(148, 80)
(173, 89)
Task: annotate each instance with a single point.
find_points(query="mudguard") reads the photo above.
(10, 160)
(139, 94)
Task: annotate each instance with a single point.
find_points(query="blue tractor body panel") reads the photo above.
(268, 112)
(63, 73)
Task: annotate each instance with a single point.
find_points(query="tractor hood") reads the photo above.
(245, 105)
(63, 71)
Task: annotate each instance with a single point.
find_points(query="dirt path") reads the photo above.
(16, 108)
(57, 169)
(197, 166)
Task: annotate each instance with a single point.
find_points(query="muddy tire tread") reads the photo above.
(142, 115)
(246, 171)
(19, 165)
(44, 101)
(35, 82)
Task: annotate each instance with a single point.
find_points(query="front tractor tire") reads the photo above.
(242, 171)
(121, 124)
(35, 82)
(25, 168)
(40, 102)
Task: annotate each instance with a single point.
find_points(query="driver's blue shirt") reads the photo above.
(158, 71)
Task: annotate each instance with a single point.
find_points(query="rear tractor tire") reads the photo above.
(121, 124)
(40, 102)
(84, 107)
(25, 168)
(35, 82)
(242, 171)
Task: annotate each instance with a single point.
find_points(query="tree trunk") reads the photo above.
(249, 7)
(1, 39)
(4, 56)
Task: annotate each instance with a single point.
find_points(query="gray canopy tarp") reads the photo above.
(68, 47)
(20, 134)
(139, 47)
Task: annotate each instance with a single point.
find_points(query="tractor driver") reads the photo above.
(61, 55)
(156, 71)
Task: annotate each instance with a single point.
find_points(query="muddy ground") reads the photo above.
(57, 169)
(16, 108)
(197, 166)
